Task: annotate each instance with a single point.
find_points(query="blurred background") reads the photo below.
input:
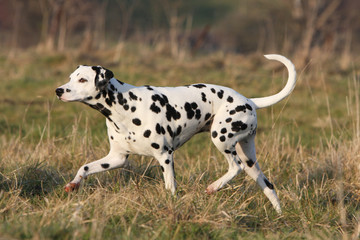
(300, 28)
(308, 145)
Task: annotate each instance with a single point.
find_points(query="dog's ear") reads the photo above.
(108, 74)
(102, 77)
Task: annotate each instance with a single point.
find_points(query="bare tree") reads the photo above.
(126, 11)
(315, 15)
(177, 35)
(18, 6)
(99, 28)
(63, 25)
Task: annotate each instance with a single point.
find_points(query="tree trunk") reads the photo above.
(18, 9)
(345, 59)
(62, 27)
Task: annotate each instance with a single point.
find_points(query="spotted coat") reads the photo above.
(155, 121)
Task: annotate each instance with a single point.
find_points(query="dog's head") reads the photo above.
(85, 83)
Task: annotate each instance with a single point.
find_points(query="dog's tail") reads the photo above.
(271, 100)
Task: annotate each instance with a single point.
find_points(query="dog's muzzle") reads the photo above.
(59, 92)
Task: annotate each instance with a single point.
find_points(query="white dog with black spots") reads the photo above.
(155, 121)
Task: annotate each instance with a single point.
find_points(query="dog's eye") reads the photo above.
(82, 80)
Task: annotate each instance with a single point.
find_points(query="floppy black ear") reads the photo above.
(108, 74)
(101, 79)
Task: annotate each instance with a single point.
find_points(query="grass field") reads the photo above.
(308, 145)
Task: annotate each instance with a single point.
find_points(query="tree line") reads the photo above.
(294, 27)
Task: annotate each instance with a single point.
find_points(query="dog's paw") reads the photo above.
(70, 187)
(210, 190)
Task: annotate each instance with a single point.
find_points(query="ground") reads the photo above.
(308, 145)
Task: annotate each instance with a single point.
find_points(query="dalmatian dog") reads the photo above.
(155, 121)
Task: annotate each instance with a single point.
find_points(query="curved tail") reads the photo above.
(271, 100)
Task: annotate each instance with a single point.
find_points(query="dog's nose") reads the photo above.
(59, 91)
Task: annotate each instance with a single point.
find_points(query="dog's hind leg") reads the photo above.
(246, 151)
(235, 167)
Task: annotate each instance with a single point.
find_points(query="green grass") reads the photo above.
(308, 145)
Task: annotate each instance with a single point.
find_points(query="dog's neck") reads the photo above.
(110, 98)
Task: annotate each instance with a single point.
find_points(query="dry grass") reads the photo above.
(316, 172)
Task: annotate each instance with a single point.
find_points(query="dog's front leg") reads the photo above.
(111, 161)
(167, 167)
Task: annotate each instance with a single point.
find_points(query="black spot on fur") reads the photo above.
(159, 129)
(228, 120)
(120, 98)
(136, 121)
(232, 112)
(112, 138)
(222, 138)
(148, 87)
(133, 109)
(194, 105)
(220, 94)
(108, 74)
(106, 112)
(162, 99)
(237, 126)
(198, 114)
(213, 90)
(223, 130)
(162, 169)
(155, 145)
(116, 126)
(214, 134)
(111, 98)
(172, 113)
(105, 165)
(268, 184)
(199, 85)
(165, 98)
(240, 108)
(203, 97)
(189, 111)
(133, 96)
(227, 151)
(230, 99)
(250, 163)
(178, 130)
(207, 116)
(167, 161)
(126, 107)
(97, 71)
(155, 108)
(248, 107)
(170, 131)
(86, 168)
(108, 102)
(147, 133)
(230, 135)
